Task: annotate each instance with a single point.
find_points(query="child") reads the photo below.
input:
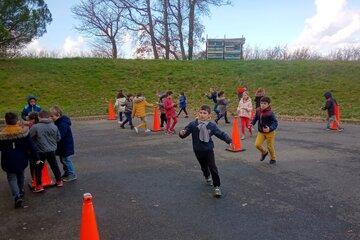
(222, 103)
(128, 111)
(16, 149)
(33, 119)
(170, 111)
(31, 106)
(244, 111)
(139, 111)
(260, 92)
(213, 96)
(65, 147)
(45, 136)
(240, 91)
(202, 130)
(119, 104)
(267, 125)
(330, 106)
(182, 105)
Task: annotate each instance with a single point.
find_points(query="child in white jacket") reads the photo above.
(120, 105)
(244, 112)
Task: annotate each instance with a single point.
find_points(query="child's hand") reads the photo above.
(39, 161)
(266, 129)
(182, 132)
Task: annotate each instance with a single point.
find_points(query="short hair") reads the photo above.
(220, 93)
(129, 95)
(44, 114)
(11, 118)
(34, 116)
(182, 93)
(169, 93)
(205, 108)
(56, 110)
(265, 99)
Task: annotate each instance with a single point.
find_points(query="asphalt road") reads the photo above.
(149, 186)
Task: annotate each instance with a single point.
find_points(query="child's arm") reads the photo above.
(148, 104)
(274, 123)
(221, 135)
(256, 118)
(33, 131)
(186, 131)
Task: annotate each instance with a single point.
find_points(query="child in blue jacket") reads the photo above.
(182, 104)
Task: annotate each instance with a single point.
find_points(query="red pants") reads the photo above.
(245, 123)
(170, 127)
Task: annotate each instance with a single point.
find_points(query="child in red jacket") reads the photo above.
(170, 111)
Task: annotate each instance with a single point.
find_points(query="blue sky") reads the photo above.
(264, 23)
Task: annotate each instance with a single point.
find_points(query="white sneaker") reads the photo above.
(242, 137)
(136, 129)
(217, 192)
(208, 181)
(147, 130)
(120, 122)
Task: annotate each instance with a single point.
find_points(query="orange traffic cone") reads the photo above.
(88, 227)
(111, 111)
(335, 125)
(236, 141)
(156, 122)
(46, 179)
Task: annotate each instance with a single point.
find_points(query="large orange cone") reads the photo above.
(111, 111)
(156, 122)
(46, 179)
(236, 141)
(88, 227)
(335, 125)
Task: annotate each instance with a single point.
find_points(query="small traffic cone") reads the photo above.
(46, 179)
(156, 122)
(335, 125)
(236, 141)
(88, 227)
(111, 111)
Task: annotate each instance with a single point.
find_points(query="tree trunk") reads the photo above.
(114, 48)
(166, 29)
(192, 4)
(180, 25)
(151, 29)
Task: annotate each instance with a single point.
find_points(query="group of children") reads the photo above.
(39, 137)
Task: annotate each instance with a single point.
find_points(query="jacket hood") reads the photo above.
(268, 109)
(64, 120)
(138, 99)
(13, 132)
(31, 97)
(328, 95)
(45, 120)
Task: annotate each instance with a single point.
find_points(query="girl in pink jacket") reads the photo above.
(244, 111)
(170, 111)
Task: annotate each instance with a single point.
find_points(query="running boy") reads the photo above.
(267, 125)
(202, 130)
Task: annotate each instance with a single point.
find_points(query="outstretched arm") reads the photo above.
(186, 131)
(221, 135)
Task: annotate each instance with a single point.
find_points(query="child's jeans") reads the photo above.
(171, 127)
(245, 123)
(207, 164)
(128, 119)
(68, 166)
(16, 183)
(143, 123)
(270, 138)
(51, 158)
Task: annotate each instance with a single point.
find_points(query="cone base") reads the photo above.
(156, 130)
(45, 186)
(232, 150)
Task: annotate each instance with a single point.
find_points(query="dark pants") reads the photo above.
(221, 115)
(16, 183)
(128, 119)
(163, 119)
(120, 116)
(50, 157)
(183, 109)
(215, 110)
(207, 163)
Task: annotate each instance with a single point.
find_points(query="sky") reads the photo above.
(319, 24)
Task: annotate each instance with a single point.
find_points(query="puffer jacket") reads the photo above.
(139, 107)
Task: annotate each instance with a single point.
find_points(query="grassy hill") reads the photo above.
(83, 86)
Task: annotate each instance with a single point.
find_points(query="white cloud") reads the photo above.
(333, 26)
(73, 46)
(34, 47)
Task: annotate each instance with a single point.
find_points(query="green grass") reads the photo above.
(84, 86)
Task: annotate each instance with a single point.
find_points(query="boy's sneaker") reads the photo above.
(217, 192)
(242, 137)
(272, 161)
(328, 129)
(22, 193)
(38, 189)
(131, 127)
(120, 122)
(186, 116)
(69, 178)
(147, 130)
(227, 122)
(136, 129)
(263, 156)
(18, 202)
(122, 126)
(59, 183)
(340, 129)
(208, 181)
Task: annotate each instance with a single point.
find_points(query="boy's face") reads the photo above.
(264, 105)
(32, 102)
(54, 117)
(204, 115)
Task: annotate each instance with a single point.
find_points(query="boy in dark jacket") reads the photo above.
(16, 150)
(202, 130)
(128, 111)
(31, 106)
(267, 124)
(65, 147)
(46, 136)
(330, 106)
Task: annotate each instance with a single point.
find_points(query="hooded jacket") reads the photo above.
(119, 104)
(245, 108)
(265, 118)
(139, 107)
(16, 149)
(65, 147)
(329, 104)
(29, 108)
(170, 109)
(45, 135)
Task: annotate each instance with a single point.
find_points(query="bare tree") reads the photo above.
(103, 20)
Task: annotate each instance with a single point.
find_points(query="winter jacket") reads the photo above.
(182, 101)
(119, 104)
(222, 103)
(16, 149)
(245, 108)
(200, 146)
(330, 104)
(265, 118)
(139, 107)
(29, 108)
(65, 147)
(170, 109)
(213, 96)
(45, 135)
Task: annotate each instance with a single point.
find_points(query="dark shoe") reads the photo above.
(122, 126)
(22, 193)
(216, 121)
(70, 178)
(217, 192)
(272, 161)
(18, 202)
(263, 156)
(186, 116)
(132, 127)
(228, 122)
(208, 181)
